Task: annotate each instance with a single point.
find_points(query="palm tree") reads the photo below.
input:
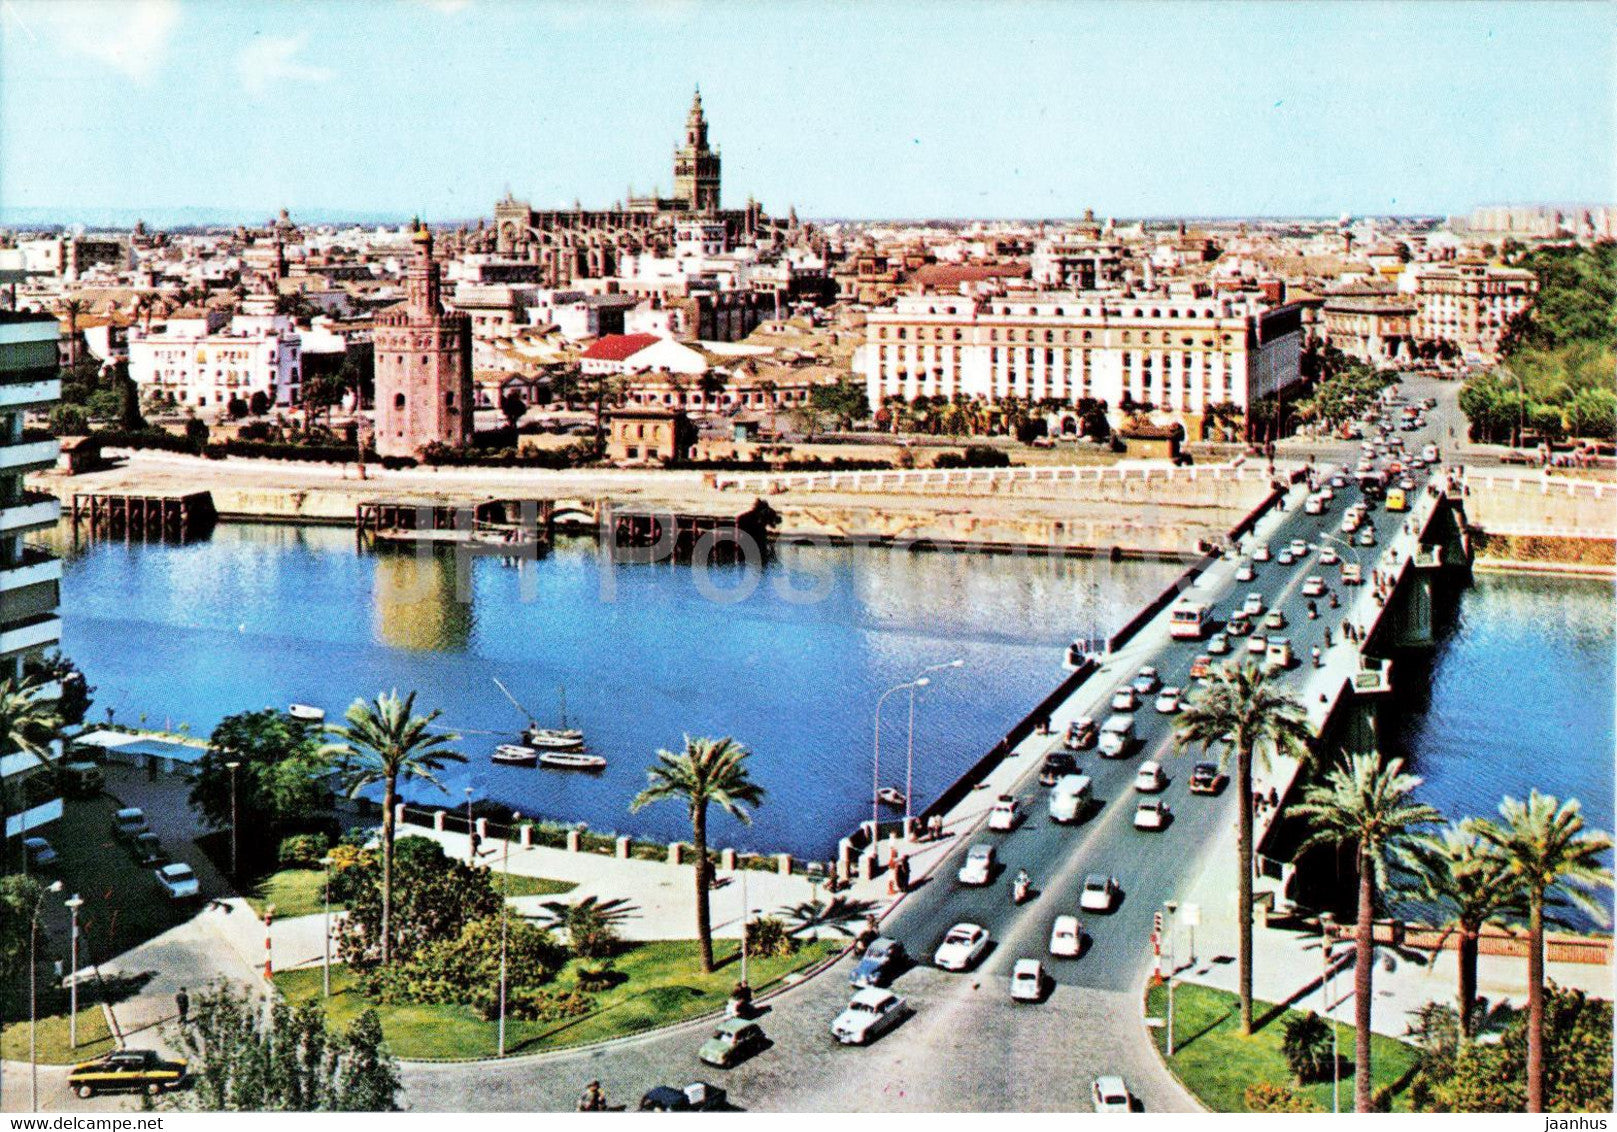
(71, 308)
(384, 742)
(1369, 804)
(1252, 717)
(1473, 884)
(1552, 858)
(29, 723)
(706, 771)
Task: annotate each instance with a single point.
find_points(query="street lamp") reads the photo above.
(505, 888)
(1170, 907)
(471, 853)
(74, 903)
(909, 754)
(233, 765)
(33, 999)
(875, 768)
(1327, 986)
(325, 966)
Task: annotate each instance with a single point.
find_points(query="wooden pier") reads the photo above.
(517, 521)
(145, 516)
(678, 535)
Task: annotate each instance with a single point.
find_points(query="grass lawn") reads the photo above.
(94, 1038)
(517, 884)
(1216, 1063)
(663, 986)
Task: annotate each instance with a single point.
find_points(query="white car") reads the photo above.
(1299, 548)
(1326, 495)
(178, 880)
(979, 866)
(1147, 681)
(1111, 1094)
(1066, 937)
(871, 1011)
(1099, 893)
(1124, 699)
(1027, 981)
(961, 947)
(1005, 814)
(1313, 586)
(1313, 505)
(1219, 643)
(1285, 557)
(1151, 813)
(1149, 779)
(1329, 557)
(1245, 572)
(1260, 553)
(1338, 480)
(1253, 605)
(1168, 700)
(1256, 644)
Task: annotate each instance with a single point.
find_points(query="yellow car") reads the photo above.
(126, 1070)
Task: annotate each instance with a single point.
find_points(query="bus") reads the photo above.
(1397, 500)
(1189, 621)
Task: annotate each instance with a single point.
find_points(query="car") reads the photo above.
(1275, 620)
(1352, 575)
(126, 1070)
(1005, 814)
(1417, 462)
(1245, 572)
(1066, 937)
(1124, 699)
(1168, 700)
(1298, 548)
(1329, 557)
(147, 849)
(1325, 494)
(1313, 586)
(871, 1011)
(1201, 666)
(1351, 521)
(1257, 643)
(41, 854)
(1260, 553)
(1099, 893)
(962, 946)
(1147, 681)
(1239, 625)
(1253, 605)
(1057, 765)
(978, 868)
(1367, 537)
(880, 963)
(735, 1039)
(128, 823)
(1151, 813)
(1406, 484)
(1218, 644)
(698, 1096)
(1206, 778)
(1278, 655)
(1429, 453)
(1338, 480)
(1027, 981)
(1284, 557)
(1081, 734)
(1149, 779)
(177, 880)
(1313, 505)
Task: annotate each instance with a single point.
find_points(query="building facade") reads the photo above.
(30, 576)
(205, 364)
(1468, 304)
(423, 364)
(1372, 328)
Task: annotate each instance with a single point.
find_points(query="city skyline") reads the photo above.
(1447, 107)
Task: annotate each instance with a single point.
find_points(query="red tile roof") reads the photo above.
(619, 347)
(954, 274)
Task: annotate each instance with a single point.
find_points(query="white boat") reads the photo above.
(304, 713)
(510, 754)
(891, 796)
(571, 760)
(552, 739)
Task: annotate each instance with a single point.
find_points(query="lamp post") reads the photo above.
(33, 999)
(233, 765)
(1327, 986)
(909, 753)
(74, 903)
(325, 966)
(471, 854)
(875, 766)
(1170, 907)
(746, 915)
(505, 886)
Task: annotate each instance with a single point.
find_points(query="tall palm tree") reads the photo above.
(1552, 857)
(1245, 712)
(1369, 804)
(707, 771)
(71, 309)
(383, 742)
(1472, 882)
(29, 723)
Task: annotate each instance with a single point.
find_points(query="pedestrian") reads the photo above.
(1274, 798)
(182, 1002)
(477, 845)
(937, 827)
(903, 874)
(593, 1098)
(1327, 636)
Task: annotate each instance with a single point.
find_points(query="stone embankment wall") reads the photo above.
(1536, 520)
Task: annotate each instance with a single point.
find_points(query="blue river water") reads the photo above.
(789, 661)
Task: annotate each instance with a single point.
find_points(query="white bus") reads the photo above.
(1189, 620)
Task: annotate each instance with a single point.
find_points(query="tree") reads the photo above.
(591, 924)
(19, 896)
(845, 402)
(278, 783)
(433, 898)
(29, 725)
(707, 772)
(76, 697)
(1249, 716)
(71, 308)
(1306, 1047)
(367, 1074)
(196, 432)
(259, 403)
(1473, 885)
(68, 419)
(1366, 803)
(1552, 857)
(513, 407)
(383, 742)
(237, 408)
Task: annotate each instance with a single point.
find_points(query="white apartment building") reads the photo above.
(1176, 353)
(1468, 304)
(204, 366)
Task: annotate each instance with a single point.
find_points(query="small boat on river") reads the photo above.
(561, 738)
(304, 713)
(891, 796)
(571, 760)
(510, 754)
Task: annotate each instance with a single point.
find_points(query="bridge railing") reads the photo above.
(940, 479)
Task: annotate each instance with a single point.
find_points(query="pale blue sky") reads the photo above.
(870, 109)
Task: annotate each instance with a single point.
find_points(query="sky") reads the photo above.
(875, 109)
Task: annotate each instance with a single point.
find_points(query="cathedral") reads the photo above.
(580, 243)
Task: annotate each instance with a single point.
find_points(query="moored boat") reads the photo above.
(510, 754)
(571, 760)
(891, 796)
(553, 739)
(304, 713)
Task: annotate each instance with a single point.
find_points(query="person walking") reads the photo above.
(593, 1098)
(182, 1003)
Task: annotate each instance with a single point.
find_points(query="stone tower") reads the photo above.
(423, 363)
(696, 167)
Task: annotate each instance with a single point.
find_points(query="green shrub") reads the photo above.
(594, 979)
(1264, 1097)
(540, 1005)
(303, 850)
(768, 937)
(1307, 1047)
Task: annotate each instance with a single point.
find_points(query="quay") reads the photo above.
(180, 516)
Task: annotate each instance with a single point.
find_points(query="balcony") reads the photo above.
(34, 566)
(35, 632)
(32, 511)
(30, 455)
(29, 394)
